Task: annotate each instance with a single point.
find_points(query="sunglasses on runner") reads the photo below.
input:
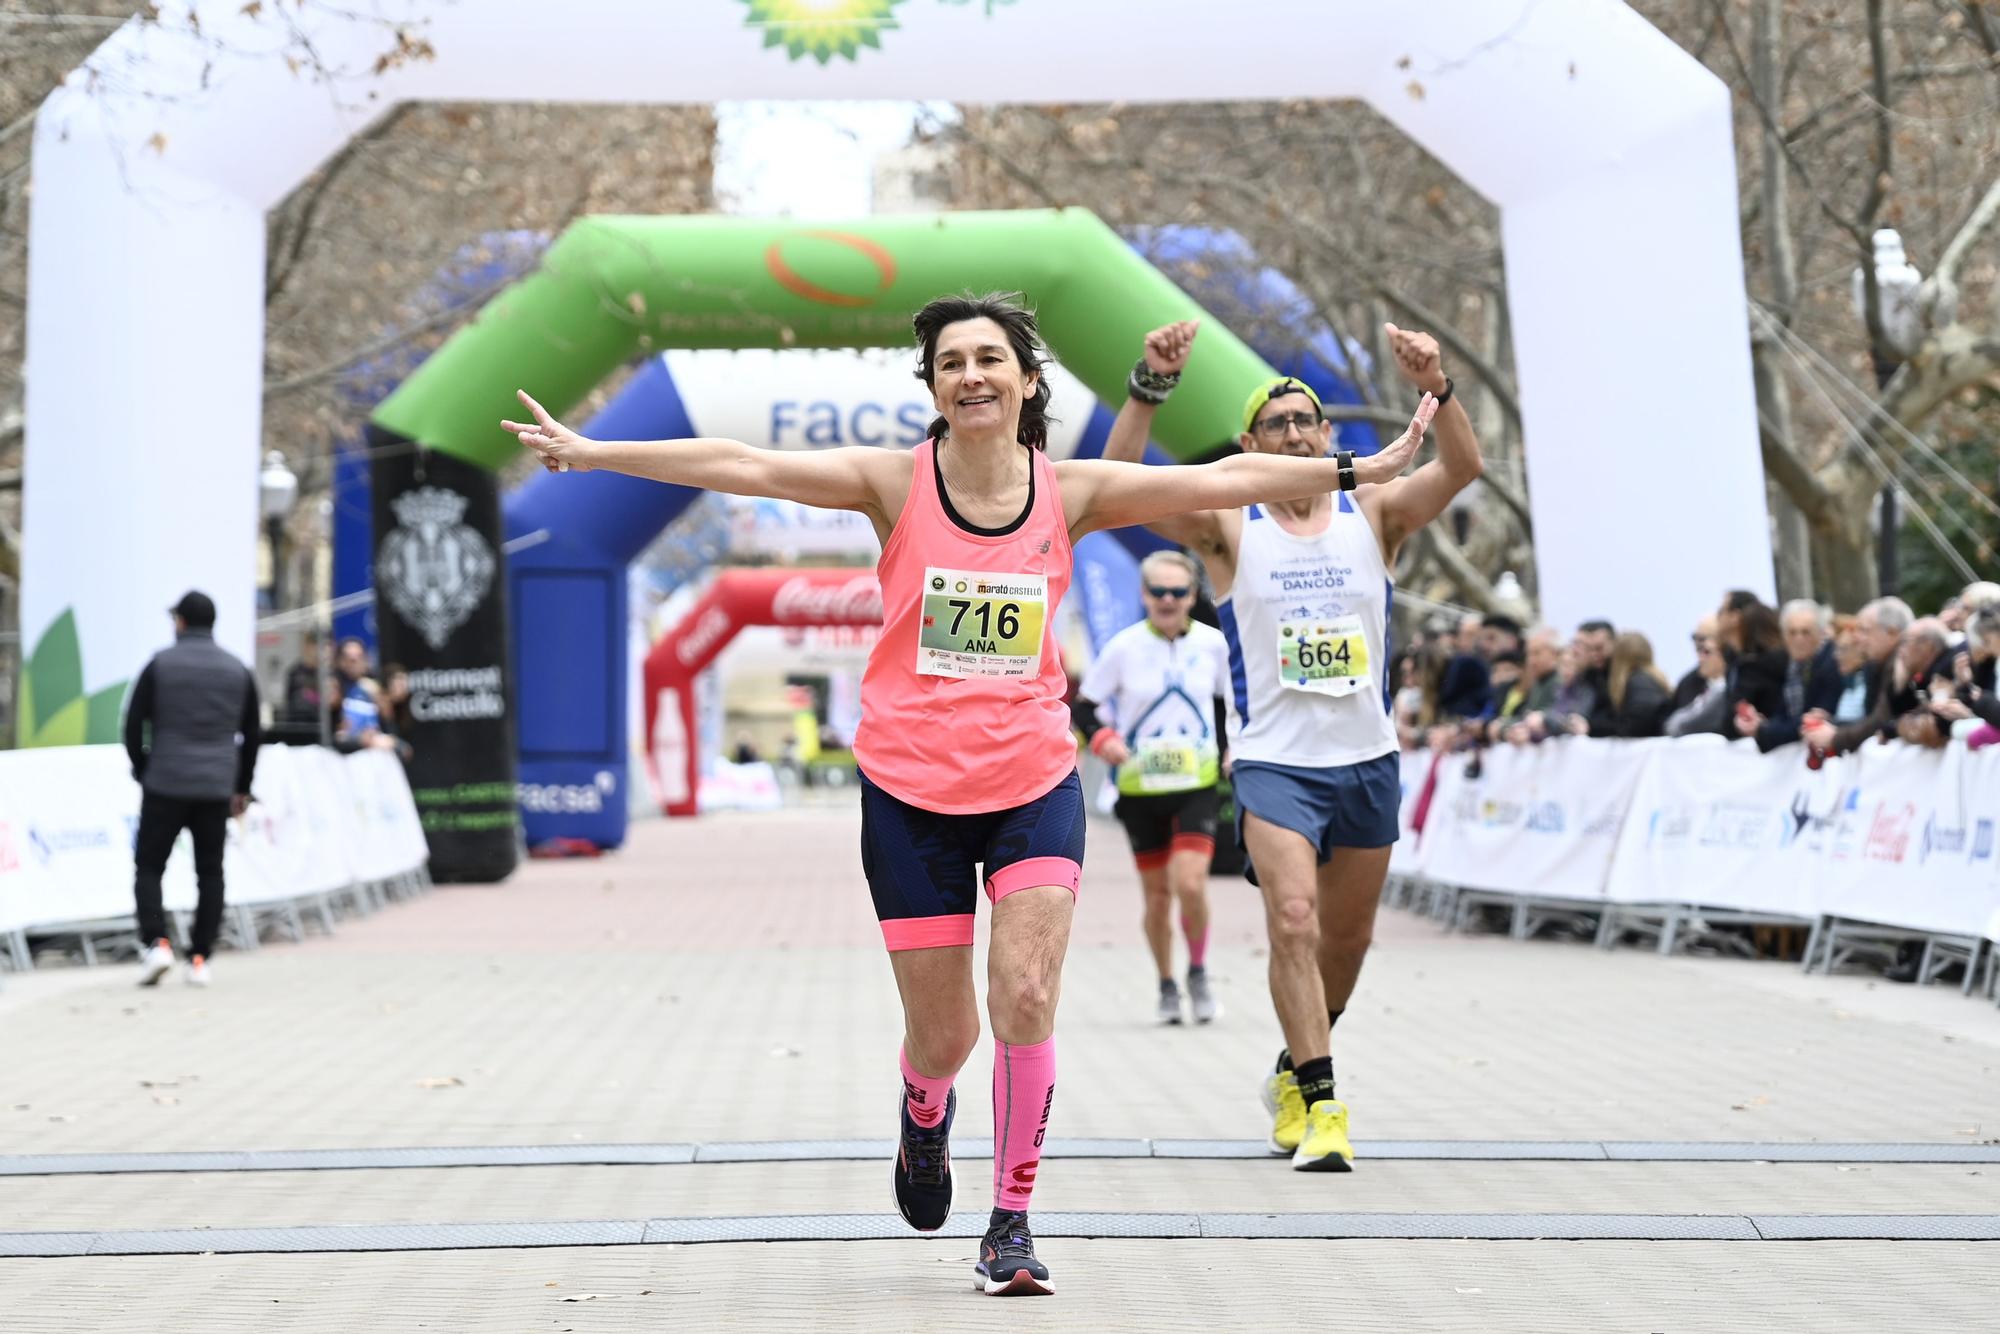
(1159, 592)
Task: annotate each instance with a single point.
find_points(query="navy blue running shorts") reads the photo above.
(920, 864)
(1347, 806)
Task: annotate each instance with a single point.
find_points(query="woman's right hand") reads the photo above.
(559, 448)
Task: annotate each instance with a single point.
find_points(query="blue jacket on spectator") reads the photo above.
(1824, 686)
(1466, 690)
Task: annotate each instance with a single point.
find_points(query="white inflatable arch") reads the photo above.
(1606, 147)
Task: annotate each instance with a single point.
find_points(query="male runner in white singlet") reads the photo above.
(1302, 592)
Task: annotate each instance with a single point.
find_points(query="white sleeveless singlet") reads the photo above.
(1307, 626)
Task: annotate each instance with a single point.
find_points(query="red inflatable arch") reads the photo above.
(736, 599)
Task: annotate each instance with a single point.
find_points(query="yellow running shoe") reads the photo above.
(1325, 1147)
(1287, 1109)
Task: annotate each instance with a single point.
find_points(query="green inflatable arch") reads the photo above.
(615, 288)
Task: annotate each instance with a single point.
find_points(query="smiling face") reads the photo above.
(978, 384)
(1289, 424)
(1167, 586)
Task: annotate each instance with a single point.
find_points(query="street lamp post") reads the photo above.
(277, 493)
(1892, 337)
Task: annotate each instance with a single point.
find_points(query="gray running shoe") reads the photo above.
(1201, 1001)
(1170, 1001)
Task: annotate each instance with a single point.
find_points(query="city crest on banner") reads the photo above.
(433, 567)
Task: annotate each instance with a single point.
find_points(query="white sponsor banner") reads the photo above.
(1716, 823)
(1891, 834)
(1537, 820)
(1910, 841)
(320, 821)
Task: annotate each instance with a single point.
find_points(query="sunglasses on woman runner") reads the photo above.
(1159, 592)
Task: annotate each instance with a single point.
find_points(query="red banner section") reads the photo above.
(737, 598)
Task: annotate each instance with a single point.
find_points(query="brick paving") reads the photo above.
(723, 980)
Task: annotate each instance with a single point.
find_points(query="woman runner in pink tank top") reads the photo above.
(965, 751)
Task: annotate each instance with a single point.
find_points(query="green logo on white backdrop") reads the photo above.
(822, 29)
(54, 710)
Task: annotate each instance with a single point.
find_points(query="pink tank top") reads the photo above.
(962, 703)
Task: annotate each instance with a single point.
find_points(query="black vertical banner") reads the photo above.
(441, 612)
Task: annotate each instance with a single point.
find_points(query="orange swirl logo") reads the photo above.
(789, 278)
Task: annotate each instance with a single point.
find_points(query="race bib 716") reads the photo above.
(976, 624)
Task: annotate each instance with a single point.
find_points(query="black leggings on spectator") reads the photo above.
(161, 820)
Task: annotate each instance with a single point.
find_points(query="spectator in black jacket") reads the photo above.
(1812, 678)
(1593, 655)
(1637, 695)
(191, 728)
(303, 685)
(1755, 648)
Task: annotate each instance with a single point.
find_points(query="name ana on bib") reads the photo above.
(1323, 656)
(978, 624)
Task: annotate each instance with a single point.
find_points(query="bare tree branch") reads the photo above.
(1983, 215)
(278, 273)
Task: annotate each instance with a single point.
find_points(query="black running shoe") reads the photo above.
(1007, 1265)
(923, 1168)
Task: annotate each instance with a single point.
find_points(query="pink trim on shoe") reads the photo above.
(1033, 874)
(927, 933)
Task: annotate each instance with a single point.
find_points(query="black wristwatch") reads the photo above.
(1344, 460)
(1445, 397)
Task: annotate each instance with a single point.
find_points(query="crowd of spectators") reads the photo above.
(352, 708)
(1770, 675)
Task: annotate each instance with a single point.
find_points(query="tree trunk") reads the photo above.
(1844, 539)
(1793, 542)
(1849, 578)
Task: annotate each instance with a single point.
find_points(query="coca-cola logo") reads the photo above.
(714, 623)
(806, 601)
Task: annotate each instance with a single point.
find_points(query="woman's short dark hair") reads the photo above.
(1018, 322)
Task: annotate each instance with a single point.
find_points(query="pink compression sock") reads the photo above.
(924, 1096)
(1024, 1087)
(1197, 947)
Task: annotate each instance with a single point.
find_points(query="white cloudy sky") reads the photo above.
(804, 159)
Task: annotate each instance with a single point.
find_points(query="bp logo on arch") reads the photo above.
(824, 29)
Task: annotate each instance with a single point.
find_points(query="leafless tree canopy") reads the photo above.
(351, 247)
(1850, 116)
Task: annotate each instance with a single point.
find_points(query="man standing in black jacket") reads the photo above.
(200, 703)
